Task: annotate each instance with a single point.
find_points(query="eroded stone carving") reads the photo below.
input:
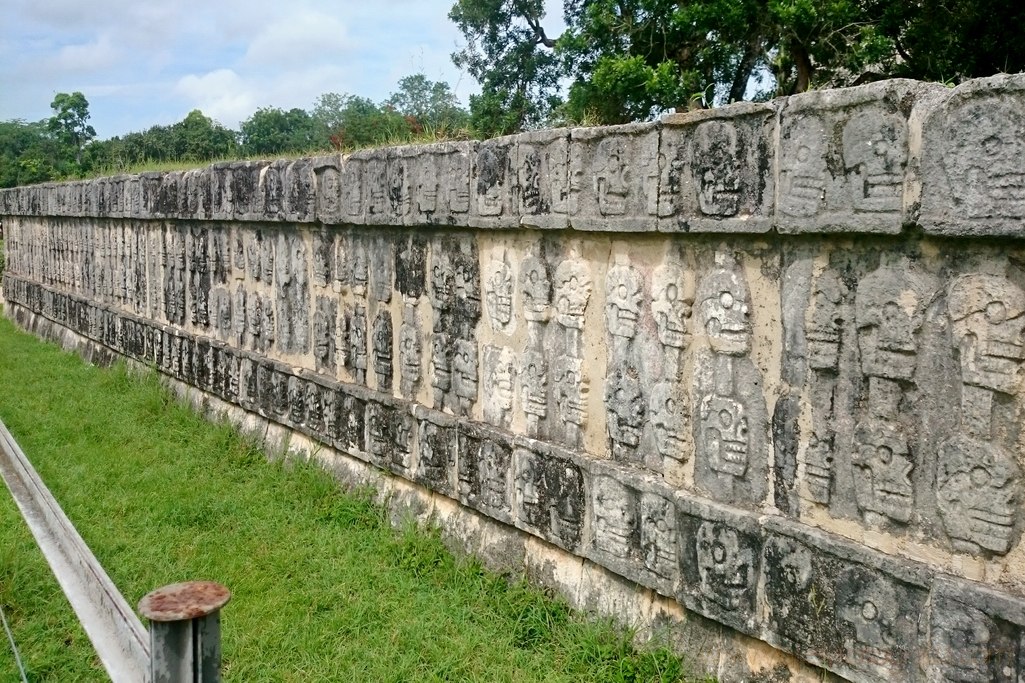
(499, 293)
(572, 292)
(803, 171)
(410, 350)
(658, 535)
(383, 350)
(324, 334)
(726, 566)
(464, 375)
(670, 308)
(869, 606)
(358, 344)
(537, 289)
(875, 148)
(723, 304)
(670, 422)
(500, 370)
(571, 394)
(626, 409)
(624, 292)
(616, 527)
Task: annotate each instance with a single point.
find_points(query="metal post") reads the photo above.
(185, 631)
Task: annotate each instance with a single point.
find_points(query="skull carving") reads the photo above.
(882, 467)
(983, 162)
(615, 511)
(714, 160)
(875, 154)
(571, 390)
(669, 422)
(572, 292)
(623, 294)
(671, 309)
(442, 279)
(535, 380)
(986, 314)
(726, 566)
(889, 309)
(409, 353)
(499, 294)
(492, 468)
(978, 492)
(379, 440)
(960, 637)
(464, 376)
(869, 605)
(803, 173)
(626, 408)
(724, 428)
(612, 177)
(528, 475)
(491, 172)
(826, 321)
(658, 535)
(536, 288)
(722, 299)
(382, 349)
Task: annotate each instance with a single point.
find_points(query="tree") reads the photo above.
(510, 55)
(431, 104)
(347, 121)
(27, 153)
(69, 122)
(274, 131)
(632, 59)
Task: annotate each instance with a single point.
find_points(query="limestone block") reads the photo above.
(845, 158)
(715, 170)
(484, 471)
(299, 192)
(494, 188)
(374, 198)
(222, 207)
(614, 178)
(973, 172)
(351, 183)
(328, 189)
(246, 192)
(542, 178)
(549, 496)
(434, 181)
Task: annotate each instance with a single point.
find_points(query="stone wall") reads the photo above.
(764, 362)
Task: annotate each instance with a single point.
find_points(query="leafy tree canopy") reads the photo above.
(633, 59)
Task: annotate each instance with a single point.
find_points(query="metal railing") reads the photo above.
(183, 643)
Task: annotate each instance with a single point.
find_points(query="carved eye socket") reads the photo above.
(726, 299)
(980, 476)
(719, 553)
(996, 312)
(885, 454)
(725, 418)
(869, 611)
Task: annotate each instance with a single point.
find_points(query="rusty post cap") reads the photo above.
(184, 601)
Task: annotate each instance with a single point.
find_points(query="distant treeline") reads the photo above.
(65, 145)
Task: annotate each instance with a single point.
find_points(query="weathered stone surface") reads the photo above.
(815, 441)
(714, 170)
(973, 181)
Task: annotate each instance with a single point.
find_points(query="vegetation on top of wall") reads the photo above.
(323, 587)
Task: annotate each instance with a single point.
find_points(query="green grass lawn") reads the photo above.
(324, 589)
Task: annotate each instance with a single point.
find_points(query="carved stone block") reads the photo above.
(844, 158)
(493, 184)
(541, 187)
(436, 456)
(549, 496)
(500, 377)
(712, 165)
(328, 207)
(613, 177)
(382, 345)
(485, 474)
(972, 179)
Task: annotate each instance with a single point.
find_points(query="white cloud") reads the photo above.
(300, 38)
(88, 57)
(221, 95)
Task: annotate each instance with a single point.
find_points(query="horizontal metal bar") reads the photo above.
(118, 635)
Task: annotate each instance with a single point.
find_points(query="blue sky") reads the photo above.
(147, 62)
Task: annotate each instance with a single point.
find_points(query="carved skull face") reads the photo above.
(399, 195)
(978, 492)
(537, 289)
(882, 468)
(499, 293)
(493, 465)
(725, 429)
(875, 151)
(528, 483)
(986, 313)
(669, 422)
(465, 365)
(725, 566)
(314, 407)
(658, 535)
(960, 639)
(723, 309)
(623, 294)
(359, 264)
(358, 338)
(535, 378)
(442, 280)
(441, 366)
(572, 292)
(323, 255)
(296, 401)
(490, 181)
(983, 162)
(329, 191)
(530, 179)
(870, 607)
(321, 339)
(803, 173)
(502, 380)
(611, 177)
(889, 309)
(378, 439)
(826, 320)
(571, 391)
(671, 310)
(625, 405)
(715, 163)
(383, 337)
(818, 466)
(409, 352)
(615, 517)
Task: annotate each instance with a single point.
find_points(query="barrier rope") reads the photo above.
(14, 646)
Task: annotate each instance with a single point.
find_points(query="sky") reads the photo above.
(141, 63)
